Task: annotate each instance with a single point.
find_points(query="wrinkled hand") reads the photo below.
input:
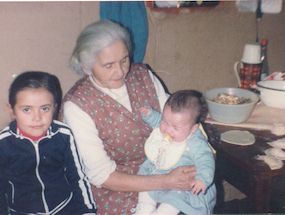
(197, 187)
(180, 178)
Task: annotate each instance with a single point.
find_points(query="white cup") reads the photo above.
(251, 54)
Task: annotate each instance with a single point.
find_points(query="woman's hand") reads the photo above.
(177, 179)
(180, 178)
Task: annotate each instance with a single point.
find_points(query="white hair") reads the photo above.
(93, 39)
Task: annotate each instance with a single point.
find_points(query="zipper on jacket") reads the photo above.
(39, 177)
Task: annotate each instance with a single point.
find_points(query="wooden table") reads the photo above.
(238, 165)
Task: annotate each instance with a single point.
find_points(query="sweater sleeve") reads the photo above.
(3, 186)
(204, 161)
(80, 186)
(153, 119)
(99, 167)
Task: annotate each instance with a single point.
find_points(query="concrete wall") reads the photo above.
(191, 50)
(198, 50)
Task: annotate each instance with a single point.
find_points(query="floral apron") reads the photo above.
(123, 132)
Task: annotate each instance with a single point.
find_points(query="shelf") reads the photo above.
(192, 6)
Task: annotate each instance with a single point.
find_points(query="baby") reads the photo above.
(178, 141)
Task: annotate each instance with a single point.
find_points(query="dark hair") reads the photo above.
(36, 80)
(187, 100)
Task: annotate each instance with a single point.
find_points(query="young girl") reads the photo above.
(40, 169)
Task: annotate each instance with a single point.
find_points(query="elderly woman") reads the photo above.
(102, 111)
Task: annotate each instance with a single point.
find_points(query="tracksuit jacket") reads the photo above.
(45, 177)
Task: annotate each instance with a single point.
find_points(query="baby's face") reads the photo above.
(177, 125)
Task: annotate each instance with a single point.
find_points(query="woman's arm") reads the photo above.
(97, 165)
(178, 179)
(100, 169)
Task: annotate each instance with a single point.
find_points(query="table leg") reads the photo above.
(261, 194)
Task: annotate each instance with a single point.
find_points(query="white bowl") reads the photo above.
(230, 113)
(272, 93)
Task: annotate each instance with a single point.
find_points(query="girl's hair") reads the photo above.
(36, 80)
(93, 39)
(187, 101)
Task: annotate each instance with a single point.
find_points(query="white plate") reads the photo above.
(238, 137)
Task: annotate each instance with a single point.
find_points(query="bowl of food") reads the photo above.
(272, 93)
(230, 105)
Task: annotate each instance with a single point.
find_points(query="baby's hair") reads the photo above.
(36, 80)
(187, 100)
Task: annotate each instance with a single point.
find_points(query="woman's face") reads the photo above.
(111, 66)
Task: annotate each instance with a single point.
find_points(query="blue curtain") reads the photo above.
(132, 15)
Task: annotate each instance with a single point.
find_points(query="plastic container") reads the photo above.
(230, 113)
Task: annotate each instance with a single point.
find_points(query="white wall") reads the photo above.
(194, 50)
(40, 36)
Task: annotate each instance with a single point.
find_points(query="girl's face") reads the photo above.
(111, 66)
(177, 125)
(33, 111)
